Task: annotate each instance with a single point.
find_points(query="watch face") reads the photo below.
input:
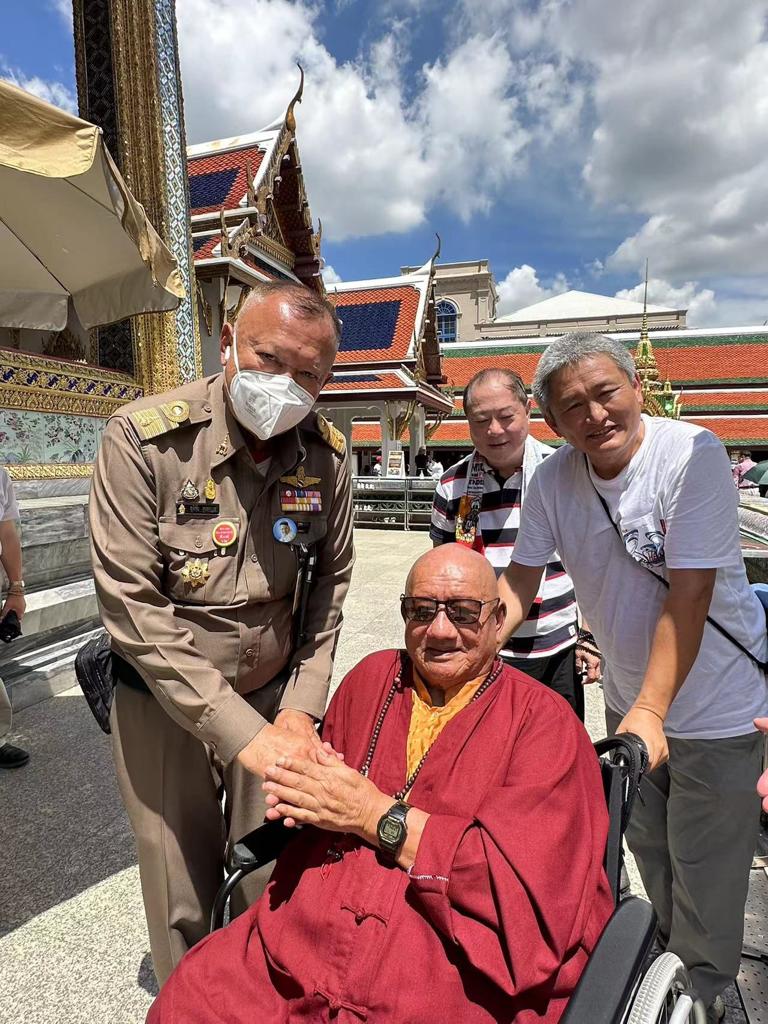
(391, 831)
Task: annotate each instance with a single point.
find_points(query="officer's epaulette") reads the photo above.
(332, 436)
(159, 419)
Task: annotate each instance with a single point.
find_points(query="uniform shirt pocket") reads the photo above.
(644, 538)
(196, 571)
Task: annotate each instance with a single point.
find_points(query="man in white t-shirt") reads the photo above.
(671, 509)
(10, 557)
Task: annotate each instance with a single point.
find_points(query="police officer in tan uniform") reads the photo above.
(204, 501)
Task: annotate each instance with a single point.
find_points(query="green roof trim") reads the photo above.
(697, 382)
(753, 407)
(702, 341)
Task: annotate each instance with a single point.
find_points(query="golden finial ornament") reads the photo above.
(658, 399)
(290, 117)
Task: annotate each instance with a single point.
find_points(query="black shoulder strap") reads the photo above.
(721, 629)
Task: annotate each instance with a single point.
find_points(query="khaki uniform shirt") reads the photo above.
(199, 647)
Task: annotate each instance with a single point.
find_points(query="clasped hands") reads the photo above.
(307, 782)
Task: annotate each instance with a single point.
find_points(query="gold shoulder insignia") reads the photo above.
(160, 418)
(149, 423)
(331, 435)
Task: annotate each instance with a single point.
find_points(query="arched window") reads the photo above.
(447, 321)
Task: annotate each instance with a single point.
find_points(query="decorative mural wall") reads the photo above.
(38, 437)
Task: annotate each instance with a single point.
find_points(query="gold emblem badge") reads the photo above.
(177, 412)
(224, 446)
(195, 572)
(300, 479)
(210, 489)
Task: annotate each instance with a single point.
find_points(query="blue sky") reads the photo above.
(564, 141)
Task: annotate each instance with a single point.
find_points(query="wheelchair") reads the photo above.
(623, 983)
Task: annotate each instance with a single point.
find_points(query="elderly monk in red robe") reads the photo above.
(453, 870)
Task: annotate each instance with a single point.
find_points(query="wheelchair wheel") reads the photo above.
(664, 997)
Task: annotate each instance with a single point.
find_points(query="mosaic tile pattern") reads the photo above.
(176, 184)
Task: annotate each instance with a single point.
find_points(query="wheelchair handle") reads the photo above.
(643, 750)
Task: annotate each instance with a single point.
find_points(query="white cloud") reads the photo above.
(375, 157)
(700, 302)
(330, 276)
(676, 95)
(64, 9)
(682, 129)
(52, 92)
(521, 287)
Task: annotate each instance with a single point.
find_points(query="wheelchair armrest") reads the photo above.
(261, 846)
(606, 984)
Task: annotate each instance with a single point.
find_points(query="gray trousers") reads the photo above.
(6, 714)
(172, 787)
(693, 839)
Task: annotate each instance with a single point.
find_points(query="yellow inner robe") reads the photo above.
(427, 722)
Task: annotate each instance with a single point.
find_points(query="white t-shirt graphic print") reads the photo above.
(676, 508)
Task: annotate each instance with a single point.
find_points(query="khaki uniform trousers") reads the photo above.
(693, 837)
(172, 788)
(6, 714)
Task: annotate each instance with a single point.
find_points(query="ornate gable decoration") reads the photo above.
(249, 200)
(391, 321)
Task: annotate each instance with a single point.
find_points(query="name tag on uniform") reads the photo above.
(295, 499)
(210, 510)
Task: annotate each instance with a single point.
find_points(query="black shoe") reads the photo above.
(12, 757)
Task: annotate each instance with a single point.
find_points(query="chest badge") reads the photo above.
(195, 572)
(189, 492)
(224, 535)
(284, 531)
(300, 479)
(301, 494)
(210, 489)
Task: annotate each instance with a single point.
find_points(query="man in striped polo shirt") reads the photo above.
(478, 502)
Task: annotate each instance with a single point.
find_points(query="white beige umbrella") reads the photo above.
(69, 226)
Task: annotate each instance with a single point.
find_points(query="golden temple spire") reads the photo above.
(645, 360)
(658, 399)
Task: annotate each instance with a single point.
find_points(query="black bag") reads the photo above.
(10, 627)
(94, 671)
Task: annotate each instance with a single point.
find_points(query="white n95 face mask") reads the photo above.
(267, 404)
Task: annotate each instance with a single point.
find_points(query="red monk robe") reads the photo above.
(503, 905)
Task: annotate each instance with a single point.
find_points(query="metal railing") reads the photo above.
(394, 503)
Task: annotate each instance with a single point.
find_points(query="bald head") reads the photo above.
(463, 566)
(448, 654)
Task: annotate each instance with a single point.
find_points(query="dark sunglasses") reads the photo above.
(462, 611)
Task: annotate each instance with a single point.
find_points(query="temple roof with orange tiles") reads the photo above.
(389, 348)
(720, 374)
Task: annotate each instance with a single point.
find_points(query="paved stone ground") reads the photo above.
(73, 947)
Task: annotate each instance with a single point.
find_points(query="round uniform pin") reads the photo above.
(224, 534)
(284, 531)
